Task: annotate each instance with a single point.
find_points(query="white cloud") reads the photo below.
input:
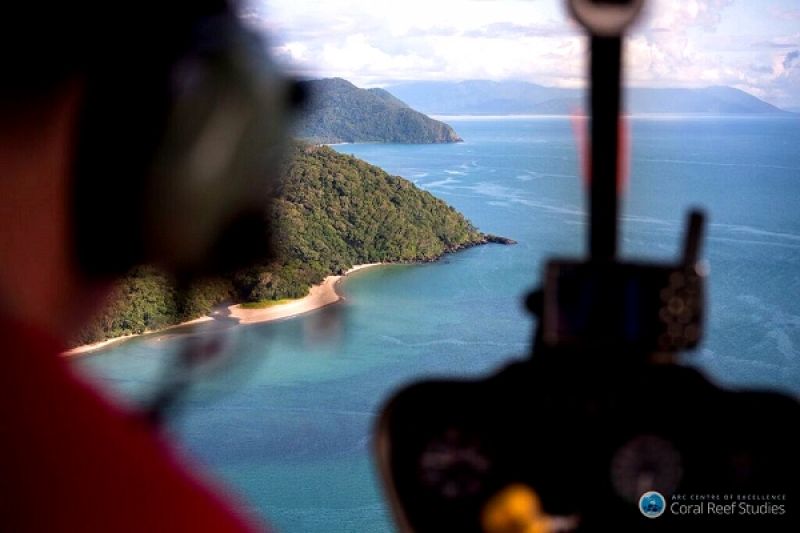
(674, 16)
(678, 43)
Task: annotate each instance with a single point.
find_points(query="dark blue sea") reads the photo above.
(288, 426)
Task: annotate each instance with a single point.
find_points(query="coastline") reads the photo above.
(319, 296)
(88, 348)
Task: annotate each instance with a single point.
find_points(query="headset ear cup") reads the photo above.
(177, 154)
(119, 129)
(246, 240)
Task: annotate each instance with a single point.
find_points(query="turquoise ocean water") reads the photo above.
(289, 427)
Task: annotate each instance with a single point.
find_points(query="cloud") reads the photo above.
(785, 14)
(779, 42)
(674, 16)
(788, 61)
(374, 42)
(761, 69)
(664, 50)
(686, 43)
(502, 30)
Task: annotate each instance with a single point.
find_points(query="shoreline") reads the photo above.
(88, 348)
(320, 295)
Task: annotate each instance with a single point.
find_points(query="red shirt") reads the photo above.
(70, 461)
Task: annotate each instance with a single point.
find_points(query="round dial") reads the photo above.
(454, 464)
(645, 463)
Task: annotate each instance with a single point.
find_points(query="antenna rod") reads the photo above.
(694, 237)
(605, 110)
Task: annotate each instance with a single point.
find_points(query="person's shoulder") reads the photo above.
(71, 459)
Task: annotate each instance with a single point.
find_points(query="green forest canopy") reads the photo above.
(341, 112)
(332, 211)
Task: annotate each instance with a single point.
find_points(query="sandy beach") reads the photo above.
(319, 296)
(86, 348)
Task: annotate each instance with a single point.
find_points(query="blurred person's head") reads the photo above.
(129, 133)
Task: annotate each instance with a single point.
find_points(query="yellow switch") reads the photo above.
(515, 509)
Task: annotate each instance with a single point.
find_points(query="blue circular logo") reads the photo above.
(652, 504)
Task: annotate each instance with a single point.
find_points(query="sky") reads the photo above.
(753, 45)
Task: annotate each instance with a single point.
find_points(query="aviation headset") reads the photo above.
(180, 137)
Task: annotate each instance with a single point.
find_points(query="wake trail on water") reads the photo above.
(453, 342)
(713, 163)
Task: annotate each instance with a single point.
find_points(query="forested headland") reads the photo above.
(338, 112)
(332, 211)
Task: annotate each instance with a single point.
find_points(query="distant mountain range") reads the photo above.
(522, 98)
(341, 112)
